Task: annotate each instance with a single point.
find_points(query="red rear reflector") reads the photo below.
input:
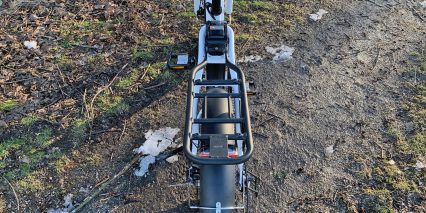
(231, 154)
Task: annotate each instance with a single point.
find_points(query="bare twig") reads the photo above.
(104, 131)
(17, 81)
(376, 59)
(108, 182)
(102, 89)
(263, 122)
(277, 116)
(86, 46)
(124, 129)
(152, 87)
(375, 3)
(86, 109)
(141, 77)
(129, 165)
(14, 192)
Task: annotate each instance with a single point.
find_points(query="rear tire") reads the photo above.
(217, 182)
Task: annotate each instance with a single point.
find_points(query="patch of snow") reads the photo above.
(391, 162)
(317, 16)
(144, 163)
(68, 206)
(172, 159)
(419, 165)
(176, 145)
(156, 142)
(363, 58)
(30, 44)
(68, 203)
(25, 159)
(250, 59)
(423, 4)
(329, 150)
(84, 190)
(283, 53)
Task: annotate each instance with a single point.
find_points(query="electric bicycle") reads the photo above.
(217, 138)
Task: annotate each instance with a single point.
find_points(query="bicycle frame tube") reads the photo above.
(217, 17)
(230, 57)
(240, 104)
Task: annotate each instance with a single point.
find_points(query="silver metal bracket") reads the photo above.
(218, 207)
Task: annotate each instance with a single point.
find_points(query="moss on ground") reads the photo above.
(379, 200)
(129, 80)
(29, 120)
(142, 55)
(393, 180)
(113, 104)
(7, 105)
(61, 164)
(32, 183)
(155, 69)
(28, 148)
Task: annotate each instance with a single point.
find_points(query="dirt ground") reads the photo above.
(340, 127)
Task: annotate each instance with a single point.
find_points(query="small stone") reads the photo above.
(179, 7)
(363, 58)
(99, 7)
(25, 159)
(329, 150)
(304, 68)
(279, 134)
(3, 124)
(84, 190)
(172, 159)
(176, 145)
(30, 44)
(419, 165)
(32, 17)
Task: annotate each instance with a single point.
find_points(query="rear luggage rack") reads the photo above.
(220, 156)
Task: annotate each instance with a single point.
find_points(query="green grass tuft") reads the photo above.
(29, 120)
(142, 55)
(155, 69)
(113, 105)
(128, 81)
(379, 200)
(244, 5)
(61, 164)
(31, 183)
(7, 105)
(12, 144)
(43, 139)
(79, 129)
(249, 18)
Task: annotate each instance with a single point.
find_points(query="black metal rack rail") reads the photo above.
(244, 120)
